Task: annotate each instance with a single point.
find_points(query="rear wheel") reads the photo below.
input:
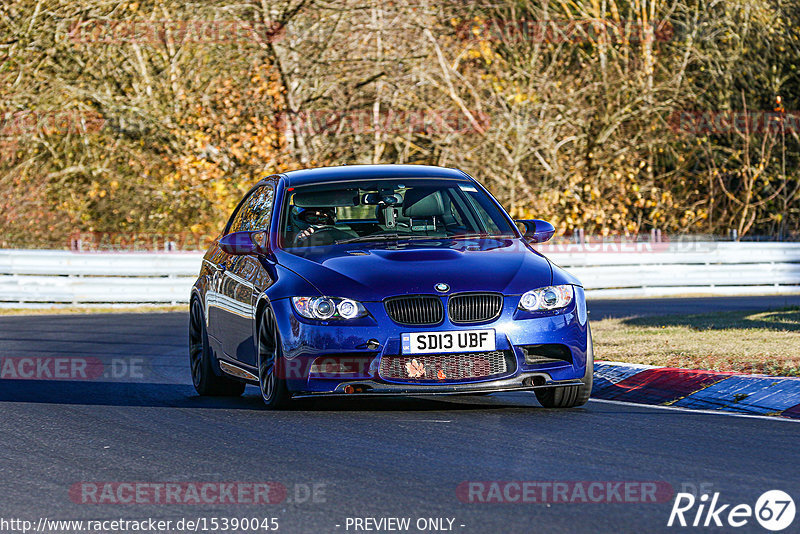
(571, 396)
(270, 358)
(205, 381)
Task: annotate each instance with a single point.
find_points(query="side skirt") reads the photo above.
(238, 372)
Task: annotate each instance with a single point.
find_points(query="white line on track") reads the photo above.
(692, 410)
(424, 421)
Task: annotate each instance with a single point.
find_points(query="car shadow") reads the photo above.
(787, 319)
(405, 404)
(97, 393)
(156, 345)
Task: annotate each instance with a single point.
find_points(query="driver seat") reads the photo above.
(425, 209)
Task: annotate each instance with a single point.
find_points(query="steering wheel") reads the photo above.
(305, 235)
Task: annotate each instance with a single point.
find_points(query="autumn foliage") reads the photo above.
(156, 116)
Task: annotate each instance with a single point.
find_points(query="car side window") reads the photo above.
(256, 212)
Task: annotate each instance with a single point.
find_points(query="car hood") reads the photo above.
(373, 271)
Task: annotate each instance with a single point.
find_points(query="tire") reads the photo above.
(571, 396)
(205, 381)
(273, 388)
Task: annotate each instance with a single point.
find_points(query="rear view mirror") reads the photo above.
(537, 230)
(374, 199)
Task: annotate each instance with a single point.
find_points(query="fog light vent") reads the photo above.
(547, 353)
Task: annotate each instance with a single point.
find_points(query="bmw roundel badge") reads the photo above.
(441, 287)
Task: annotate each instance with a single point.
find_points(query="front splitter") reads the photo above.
(376, 389)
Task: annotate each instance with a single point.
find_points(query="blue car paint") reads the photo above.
(380, 270)
(514, 327)
(505, 266)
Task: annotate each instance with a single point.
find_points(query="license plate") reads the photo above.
(442, 342)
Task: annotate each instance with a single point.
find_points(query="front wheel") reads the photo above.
(205, 381)
(270, 364)
(571, 396)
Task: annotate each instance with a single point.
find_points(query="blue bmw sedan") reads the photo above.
(372, 280)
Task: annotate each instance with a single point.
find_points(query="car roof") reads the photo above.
(358, 172)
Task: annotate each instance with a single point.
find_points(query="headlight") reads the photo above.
(547, 298)
(325, 308)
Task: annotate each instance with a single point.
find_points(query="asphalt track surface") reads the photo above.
(142, 421)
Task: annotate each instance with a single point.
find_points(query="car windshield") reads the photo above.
(389, 210)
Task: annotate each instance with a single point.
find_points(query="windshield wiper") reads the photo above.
(382, 237)
(468, 236)
(481, 235)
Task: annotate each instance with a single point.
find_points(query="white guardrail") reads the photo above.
(632, 270)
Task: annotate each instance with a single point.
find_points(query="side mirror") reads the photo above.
(537, 230)
(245, 243)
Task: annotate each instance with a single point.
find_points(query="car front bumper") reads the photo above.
(307, 341)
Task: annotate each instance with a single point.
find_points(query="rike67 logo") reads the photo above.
(774, 510)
